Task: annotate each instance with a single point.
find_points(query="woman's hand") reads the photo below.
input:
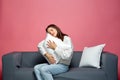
(51, 45)
(50, 58)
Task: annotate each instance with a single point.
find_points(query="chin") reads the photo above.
(54, 35)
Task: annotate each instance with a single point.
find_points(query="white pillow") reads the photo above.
(91, 56)
(49, 50)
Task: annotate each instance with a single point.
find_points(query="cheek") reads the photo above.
(56, 32)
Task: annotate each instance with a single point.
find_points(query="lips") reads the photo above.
(52, 34)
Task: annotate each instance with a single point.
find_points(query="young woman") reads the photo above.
(46, 71)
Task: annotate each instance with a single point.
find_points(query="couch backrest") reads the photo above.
(76, 58)
(104, 57)
(30, 59)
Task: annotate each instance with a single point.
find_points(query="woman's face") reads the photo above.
(52, 31)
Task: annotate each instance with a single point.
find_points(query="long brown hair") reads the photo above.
(60, 34)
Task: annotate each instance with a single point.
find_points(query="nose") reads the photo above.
(51, 33)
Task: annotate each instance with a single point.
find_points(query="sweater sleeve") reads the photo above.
(41, 47)
(65, 51)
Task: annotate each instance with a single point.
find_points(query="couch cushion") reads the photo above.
(83, 74)
(24, 74)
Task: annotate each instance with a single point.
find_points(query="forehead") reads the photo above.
(51, 28)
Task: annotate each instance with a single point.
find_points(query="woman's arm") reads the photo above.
(65, 51)
(45, 53)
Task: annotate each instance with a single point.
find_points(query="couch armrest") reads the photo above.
(110, 65)
(10, 62)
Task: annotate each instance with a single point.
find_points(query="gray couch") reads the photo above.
(19, 66)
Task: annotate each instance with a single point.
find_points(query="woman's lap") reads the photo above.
(52, 68)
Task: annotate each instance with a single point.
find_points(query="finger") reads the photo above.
(53, 42)
(52, 57)
(48, 42)
(48, 46)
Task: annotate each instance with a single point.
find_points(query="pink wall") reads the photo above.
(88, 22)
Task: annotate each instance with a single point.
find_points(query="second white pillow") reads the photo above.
(91, 56)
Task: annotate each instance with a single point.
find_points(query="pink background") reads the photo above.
(87, 22)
